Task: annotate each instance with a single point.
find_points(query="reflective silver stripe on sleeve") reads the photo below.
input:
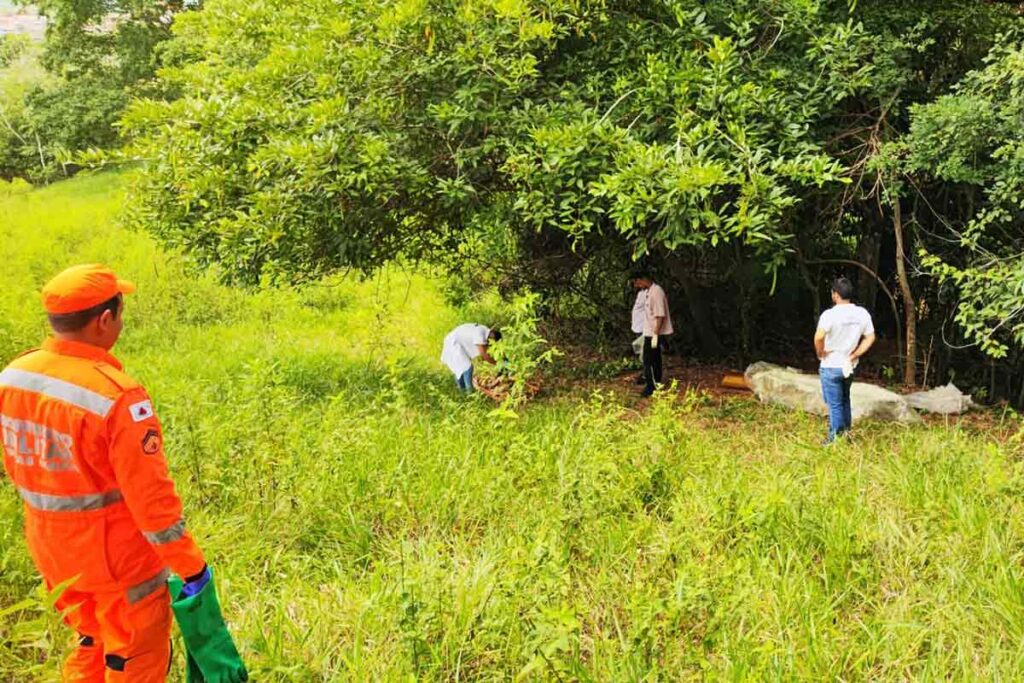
(173, 533)
(143, 590)
(48, 502)
(58, 389)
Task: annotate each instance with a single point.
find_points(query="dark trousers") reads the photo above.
(652, 365)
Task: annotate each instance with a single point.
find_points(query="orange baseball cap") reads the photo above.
(81, 287)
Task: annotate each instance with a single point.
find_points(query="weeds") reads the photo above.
(369, 523)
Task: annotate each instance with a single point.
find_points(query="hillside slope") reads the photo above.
(367, 523)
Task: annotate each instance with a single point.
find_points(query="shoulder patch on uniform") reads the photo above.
(119, 379)
(143, 410)
(151, 442)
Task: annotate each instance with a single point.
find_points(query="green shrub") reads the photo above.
(19, 153)
(76, 114)
(12, 47)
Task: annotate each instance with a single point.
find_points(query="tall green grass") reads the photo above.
(367, 523)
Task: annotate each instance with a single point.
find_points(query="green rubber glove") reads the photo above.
(212, 655)
(193, 674)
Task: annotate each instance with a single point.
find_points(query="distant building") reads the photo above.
(22, 20)
(27, 20)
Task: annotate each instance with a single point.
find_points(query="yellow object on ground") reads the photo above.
(735, 382)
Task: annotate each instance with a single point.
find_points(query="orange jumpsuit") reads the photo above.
(84, 450)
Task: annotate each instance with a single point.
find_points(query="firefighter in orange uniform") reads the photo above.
(83, 448)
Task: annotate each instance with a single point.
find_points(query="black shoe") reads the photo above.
(640, 381)
(646, 394)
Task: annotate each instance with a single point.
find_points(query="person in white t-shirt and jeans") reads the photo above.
(845, 333)
(462, 345)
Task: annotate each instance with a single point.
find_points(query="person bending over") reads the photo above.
(462, 345)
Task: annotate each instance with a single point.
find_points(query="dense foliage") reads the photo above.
(20, 74)
(12, 47)
(971, 141)
(737, 146)
(340, 134)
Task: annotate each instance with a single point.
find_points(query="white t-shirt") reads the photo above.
(656, 307)
(844, 326)
(639, 312)
(460, 347)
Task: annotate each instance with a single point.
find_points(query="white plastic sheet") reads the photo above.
(947, 400)
(800, 391)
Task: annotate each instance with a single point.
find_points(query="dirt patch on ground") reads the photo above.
(582, 372)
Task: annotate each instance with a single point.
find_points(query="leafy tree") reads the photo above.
(19, 147)
(918, 50)
(115, 39)
(738, 146)
(971, 141)
(341, 134)
(99, 55)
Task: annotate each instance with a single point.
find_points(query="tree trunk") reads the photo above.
(1020, 395)
(869, 250)
(700, 311)
(909, 309)
(809, 282)
(745, 285)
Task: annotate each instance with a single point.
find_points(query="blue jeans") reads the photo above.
(465, 381)
(835, 389)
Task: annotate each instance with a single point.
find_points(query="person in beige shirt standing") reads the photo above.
(657, 324)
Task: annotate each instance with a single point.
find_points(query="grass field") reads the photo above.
(367, 523)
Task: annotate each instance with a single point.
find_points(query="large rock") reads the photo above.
(947, 400)
(794, 389)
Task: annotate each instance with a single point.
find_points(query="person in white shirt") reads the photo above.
(657, 324)
(845, 333)
(637, 326)
(461, 346)
(639, 312)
